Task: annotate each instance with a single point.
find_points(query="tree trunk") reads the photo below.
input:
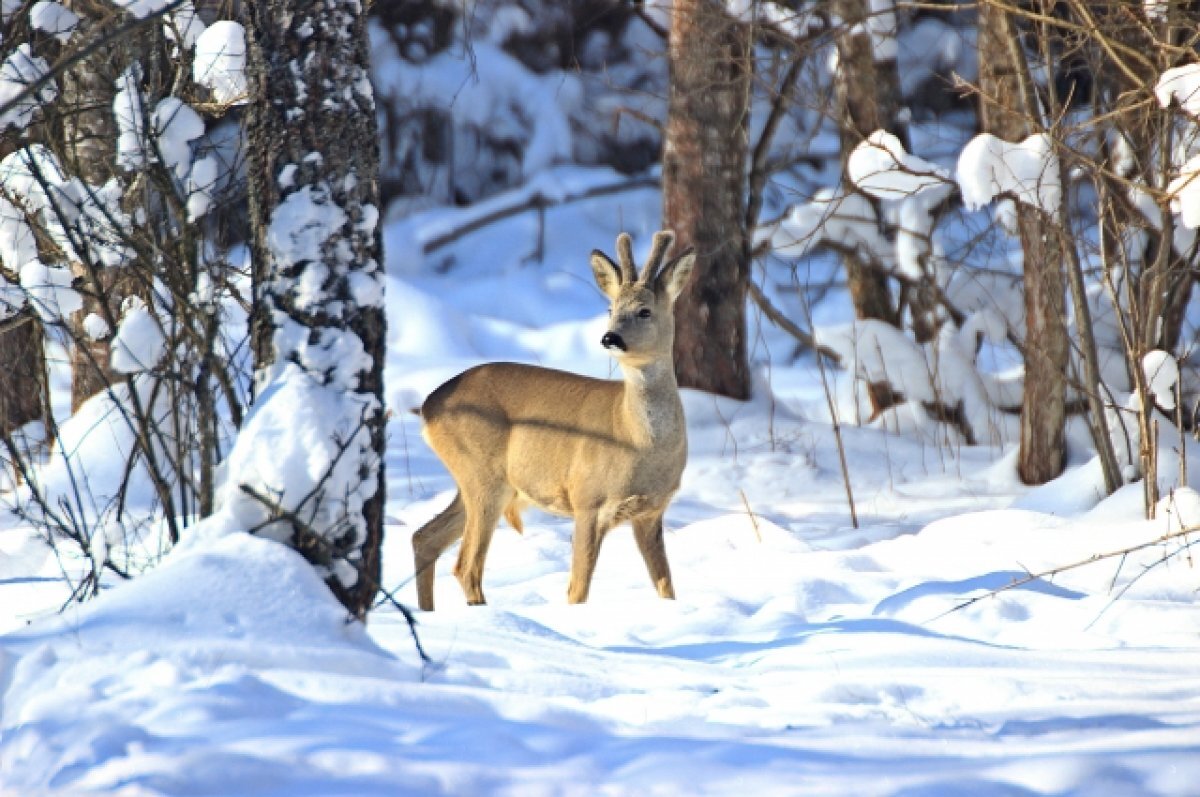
(89, 137)
(704, 192)
(867, 94)
(313, 140)
(1005, 111)
(22, 371)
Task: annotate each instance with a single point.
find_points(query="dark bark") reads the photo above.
(704, 192)
(22, 371)
(1005, 112)
(308, 65)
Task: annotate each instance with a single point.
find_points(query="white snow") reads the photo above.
(804, 655)
(1156, 10)
(95, 327)
(220, 61)
(1182, 84)
(139, 344)
(1184, 192)
(286, 453)
(85, 221)
(131, 127)
(881, 167)
(17, 243)
(19, 72)
(202, 182)
(1162, 374)
(184, 24)
(845, 219)
(176, 125)
(300, 226)
(49, 290)
(1028, 172)
(881, 25)
(53, 18)
(512, 104)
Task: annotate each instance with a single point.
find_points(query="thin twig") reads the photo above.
(776, 316)
(1099, 557)
(750, 512)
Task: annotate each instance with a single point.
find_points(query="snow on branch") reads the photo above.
(86, 222)
(844, 221)
(54, 19)
(220, 62)
(881, 167)
(1181, 84)
(19, 73)
(1028, 172)
(1184, 192)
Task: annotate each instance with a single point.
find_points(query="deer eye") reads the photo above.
(644, 312)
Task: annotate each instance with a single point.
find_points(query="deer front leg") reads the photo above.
(585, 550)
(648, 531)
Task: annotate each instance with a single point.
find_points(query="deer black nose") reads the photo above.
(612, 340)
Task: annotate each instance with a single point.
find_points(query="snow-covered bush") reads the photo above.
(114, 237)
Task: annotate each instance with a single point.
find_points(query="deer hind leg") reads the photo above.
(585, 550)
(483, 513)
(430, 541)
(648, 531)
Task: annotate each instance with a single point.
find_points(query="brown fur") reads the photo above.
(603, 452)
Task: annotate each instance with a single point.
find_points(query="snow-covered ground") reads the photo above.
(803, 656)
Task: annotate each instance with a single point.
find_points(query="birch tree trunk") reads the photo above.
(704, 192)
(314, 198)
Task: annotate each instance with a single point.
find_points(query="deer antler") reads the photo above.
(658, 250)
(625, 258)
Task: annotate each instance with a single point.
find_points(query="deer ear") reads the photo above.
(607, 275)
(674, 277)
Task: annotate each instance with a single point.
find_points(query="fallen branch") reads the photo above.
(536, 201)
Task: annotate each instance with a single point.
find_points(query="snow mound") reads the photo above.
(209, 640)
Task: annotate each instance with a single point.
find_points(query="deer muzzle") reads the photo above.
(612, 340)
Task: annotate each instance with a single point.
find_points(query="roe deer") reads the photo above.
(600, 451)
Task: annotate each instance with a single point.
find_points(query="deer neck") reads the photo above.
(650, 404)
